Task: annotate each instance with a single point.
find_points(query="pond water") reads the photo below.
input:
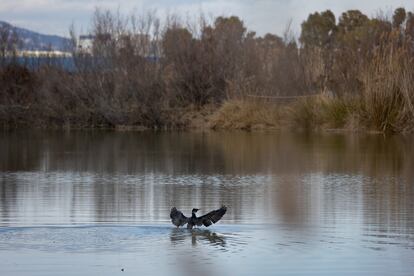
(98, 202)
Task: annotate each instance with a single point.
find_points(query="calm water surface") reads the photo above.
(97, 203)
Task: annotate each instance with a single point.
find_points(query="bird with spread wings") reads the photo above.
(179, 219)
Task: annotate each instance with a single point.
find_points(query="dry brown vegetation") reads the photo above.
(353, 73)
(246, 115)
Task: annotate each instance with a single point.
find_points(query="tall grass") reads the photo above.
(388, 93)
(244, 114)
(320, 112)
(304, 114)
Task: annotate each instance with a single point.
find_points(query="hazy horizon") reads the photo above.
(263, 16)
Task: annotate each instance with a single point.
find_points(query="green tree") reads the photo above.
(318, 29)
(351, 21)
(271, 40)
(399, 17)
(352, 31)
(228, 36)
(409, 27)
(229, 29)
(176, 43)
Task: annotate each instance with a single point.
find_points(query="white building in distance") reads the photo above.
(85, 43)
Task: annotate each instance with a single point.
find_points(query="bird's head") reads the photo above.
(195, 210)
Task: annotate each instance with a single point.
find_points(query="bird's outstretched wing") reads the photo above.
(212, 217)
(178, 218)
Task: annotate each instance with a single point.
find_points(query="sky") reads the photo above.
(262, 16)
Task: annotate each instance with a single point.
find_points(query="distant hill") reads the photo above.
(35, 41)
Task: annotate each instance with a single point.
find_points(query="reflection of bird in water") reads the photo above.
(190, 262)
(178, 218)
(178, 236)
(207, 235)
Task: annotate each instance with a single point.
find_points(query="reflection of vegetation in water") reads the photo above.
(119, 175)
(206, 153)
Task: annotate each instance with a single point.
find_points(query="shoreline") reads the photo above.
(205, 128)
(321, 114)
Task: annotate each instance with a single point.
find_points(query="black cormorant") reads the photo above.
(178, 218)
